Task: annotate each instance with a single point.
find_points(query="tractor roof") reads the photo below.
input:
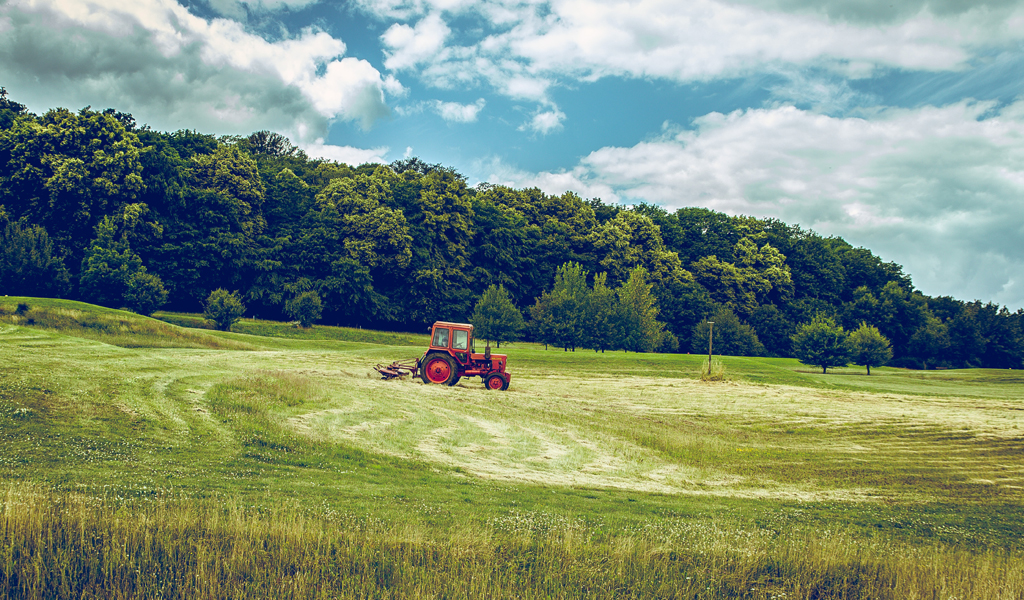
(447, 324)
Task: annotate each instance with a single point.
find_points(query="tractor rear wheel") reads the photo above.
(496, 381)
(439, 369)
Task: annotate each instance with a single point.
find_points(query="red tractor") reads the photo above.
(451, 356)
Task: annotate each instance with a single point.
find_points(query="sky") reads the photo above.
(897, 125)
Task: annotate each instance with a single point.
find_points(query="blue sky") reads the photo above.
(899, 127)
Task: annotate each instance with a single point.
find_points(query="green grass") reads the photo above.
(276, 329)
(114, 327)
(614, 474)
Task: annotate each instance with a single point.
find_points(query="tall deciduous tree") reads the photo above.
(632, 240)
(773, 329)
(234, 174)
(496, 318)
(641, 330)
(559, 315)
(930, 342)
(108, 266)
(305, 308)
(822, 343)
(868, 347)
(732, 337)
(65, 171)
(440, 218)
(602, 328)
(28, 265)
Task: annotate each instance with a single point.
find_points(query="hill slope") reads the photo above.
(608, 444)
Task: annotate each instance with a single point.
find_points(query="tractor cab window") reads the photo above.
(440, 338)
(461, 340)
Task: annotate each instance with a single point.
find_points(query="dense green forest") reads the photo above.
(96, 208)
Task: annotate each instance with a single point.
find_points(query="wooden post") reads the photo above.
(711, 328)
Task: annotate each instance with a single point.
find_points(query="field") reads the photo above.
(139, 459)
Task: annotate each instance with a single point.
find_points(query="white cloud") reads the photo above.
(498, 172)
(408, 46)
(686, 41)
(345, 154)
(526, 88)
(453, 112)
(702, 39)
(530, 46)
(544, 121)
(349, 87)
(265, 5)
(394, 87)
(173, 69)
(935, 189)
(408, 9)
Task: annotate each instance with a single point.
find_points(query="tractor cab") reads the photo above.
(451, 356)
(456, 338)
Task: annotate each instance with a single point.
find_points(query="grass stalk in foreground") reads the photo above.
(57, 545)
(712, 371)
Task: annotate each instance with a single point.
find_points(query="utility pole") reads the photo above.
(711, 328)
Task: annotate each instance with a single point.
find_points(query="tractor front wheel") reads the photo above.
(496, 381)
(439, 369)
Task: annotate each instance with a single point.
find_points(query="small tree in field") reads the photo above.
(145, 293)
(223, 308)
(868, 347)
(496, 318)
(822, 343)
(305, 308)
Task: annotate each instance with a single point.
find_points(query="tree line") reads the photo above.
(97, 208)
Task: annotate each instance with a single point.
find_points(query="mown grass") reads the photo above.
(289, 469)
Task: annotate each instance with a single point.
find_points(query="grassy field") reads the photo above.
(139, 458)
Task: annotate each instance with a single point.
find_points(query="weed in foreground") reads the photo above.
(62, 545)
(713, 371)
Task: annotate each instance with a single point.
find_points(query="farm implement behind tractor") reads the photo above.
(451, 357)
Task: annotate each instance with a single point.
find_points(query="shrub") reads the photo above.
(145, 293)
(305, 308)
(668, 342)
(223, 308)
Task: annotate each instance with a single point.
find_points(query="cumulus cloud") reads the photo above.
(686, 41)
(544, 121)
(883, 11)
(345, 154)
(453, 112)
(936, 189)
(173, 69)
(578, 180)
(406, 46)
(526, 48)
(237, 9)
